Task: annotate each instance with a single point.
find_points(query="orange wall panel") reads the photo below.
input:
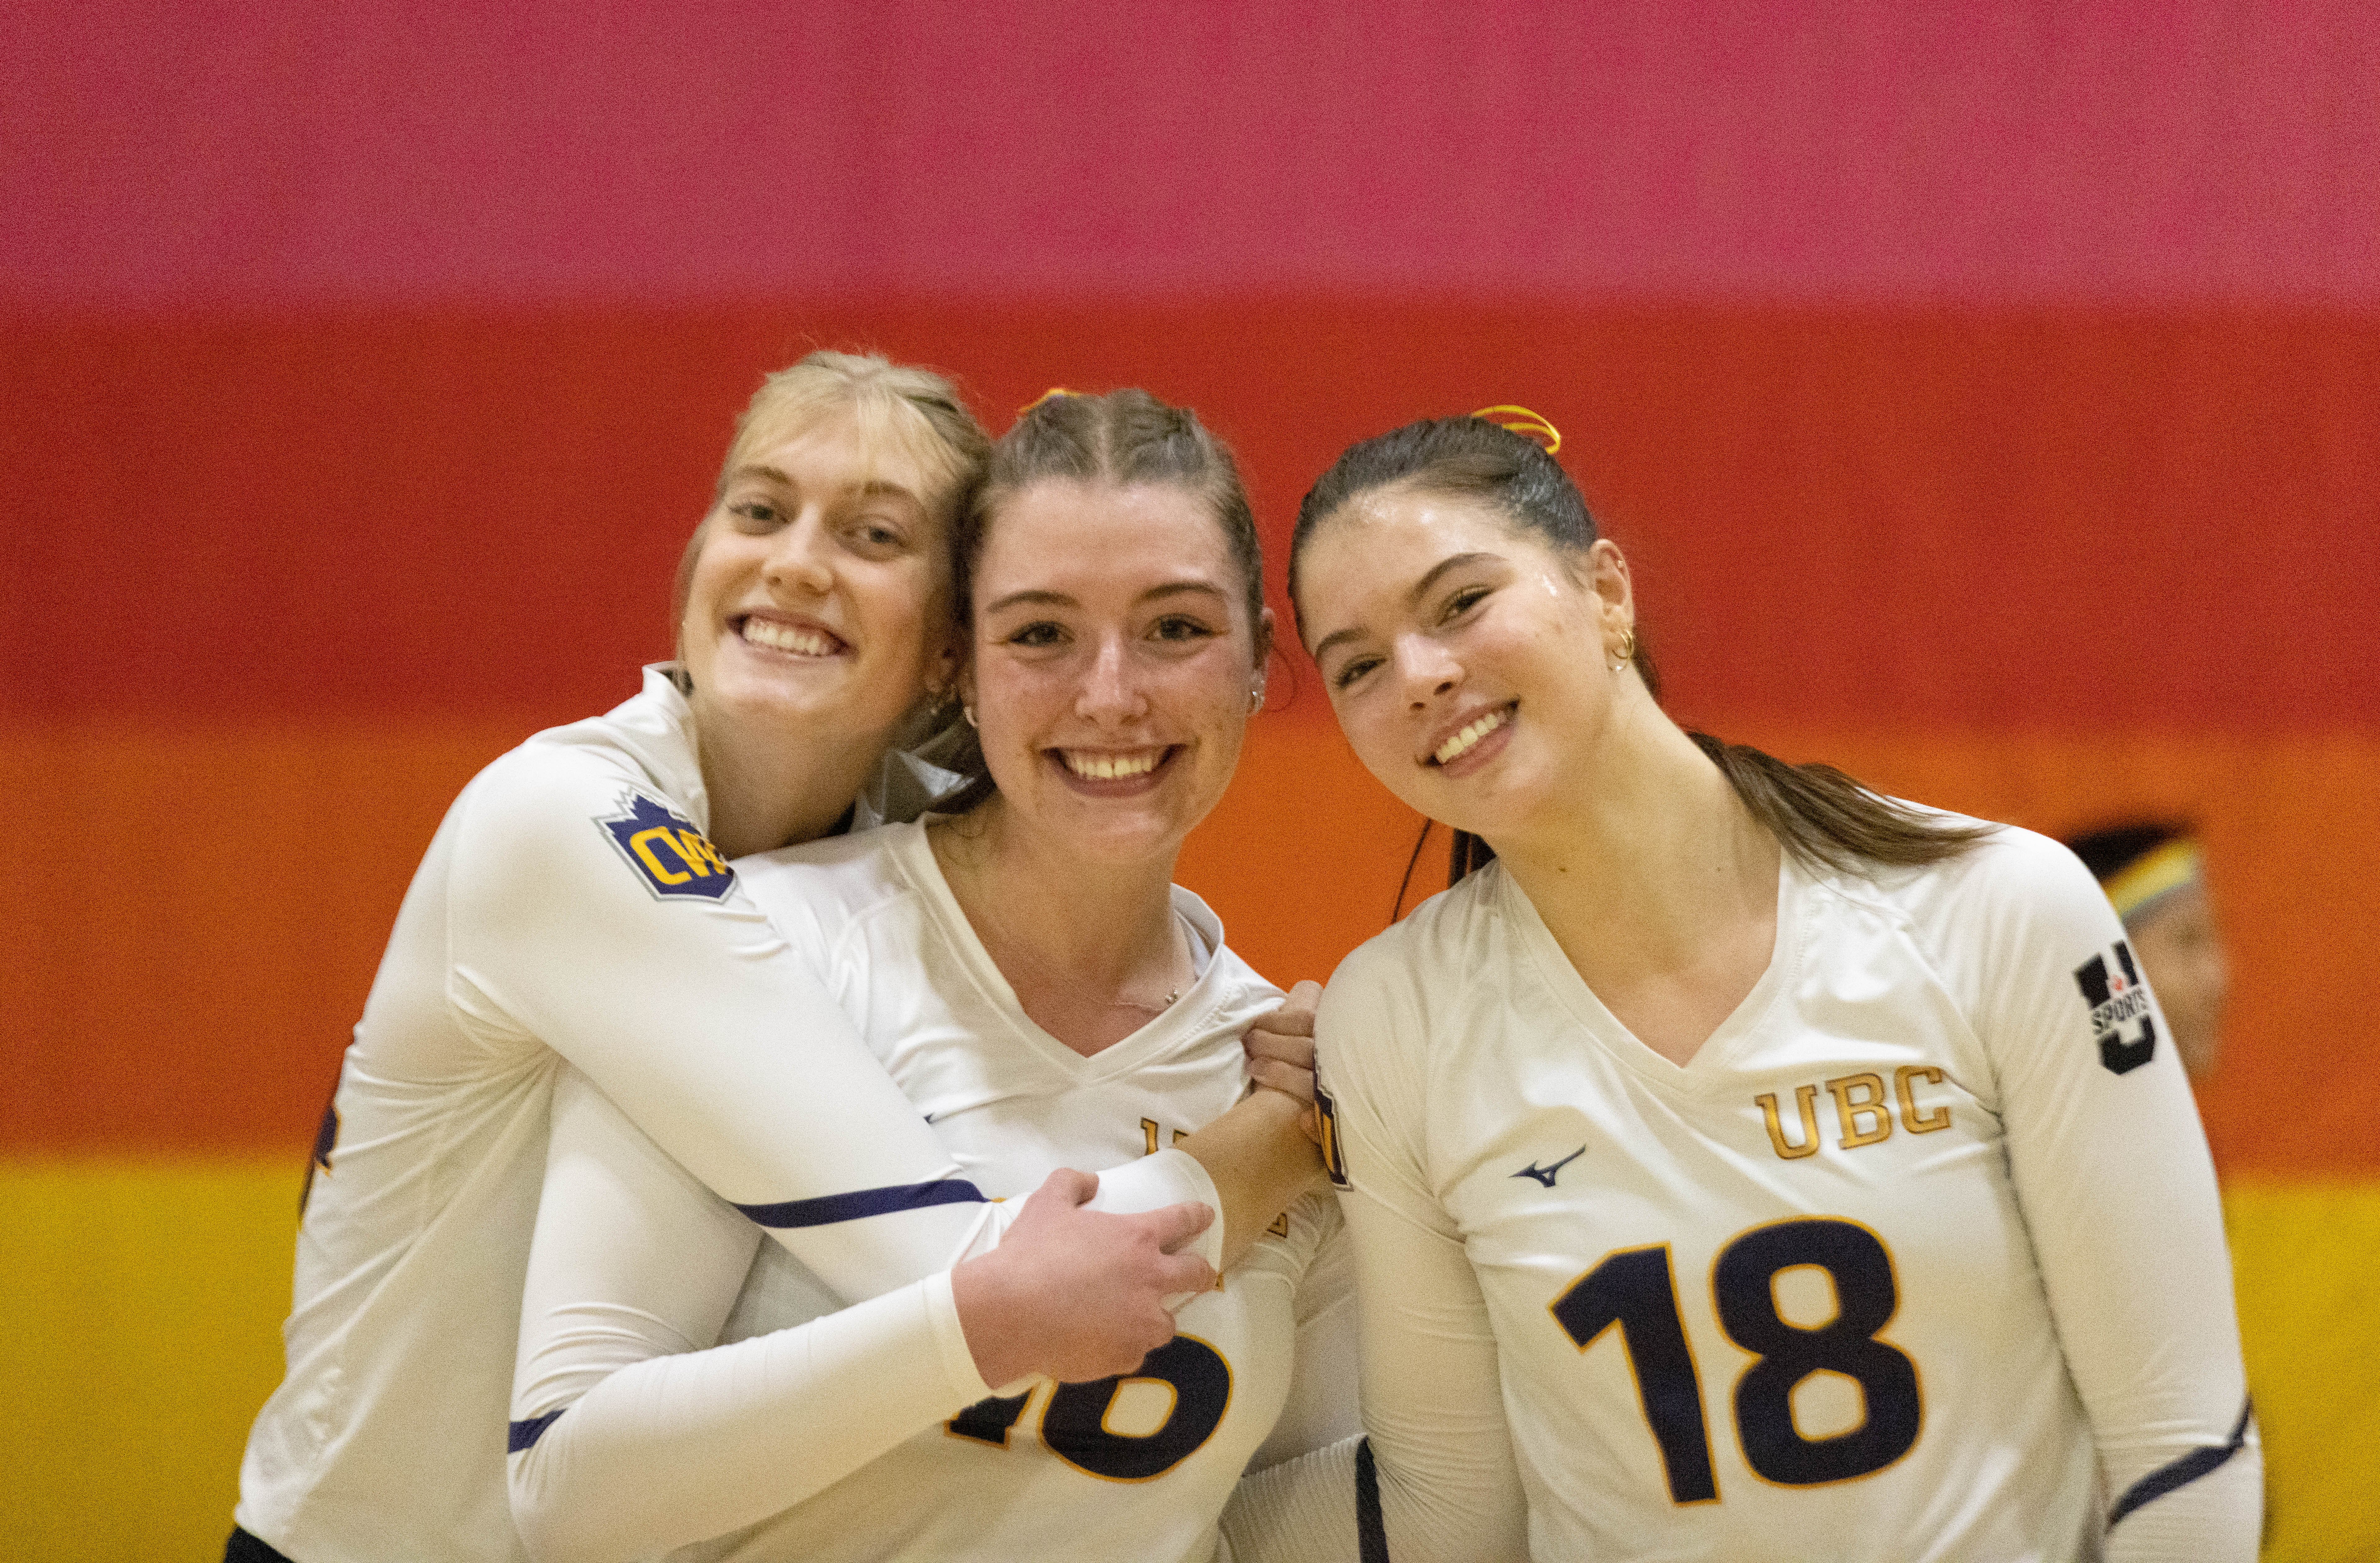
(186, 976)
(193, 986)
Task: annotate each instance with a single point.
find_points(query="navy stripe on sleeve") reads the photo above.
(828, 1209)
(519, 1436)
(2181, 1473)
(1371, 1531)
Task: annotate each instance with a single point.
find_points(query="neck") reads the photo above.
(1647, 849)
(771, 786)
(1091, 963)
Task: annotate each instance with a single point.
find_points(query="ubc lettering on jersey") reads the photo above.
(1863, 1110)
(2116, 1000)
(666, 851)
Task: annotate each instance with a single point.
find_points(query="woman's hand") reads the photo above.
(1074, 1293)
(1281, 1051)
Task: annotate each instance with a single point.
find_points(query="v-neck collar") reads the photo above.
(1186, 1016)
(1710, 1060)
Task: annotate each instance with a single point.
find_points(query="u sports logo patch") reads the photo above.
(667, 853)
(2118, 999)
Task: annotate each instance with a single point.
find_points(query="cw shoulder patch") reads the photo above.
(2117, 998)
(667, 853)
(1334, 1155)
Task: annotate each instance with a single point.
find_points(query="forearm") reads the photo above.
(1260, 1162)
(2216, 1515)
(628, 1435)
(677, 1449)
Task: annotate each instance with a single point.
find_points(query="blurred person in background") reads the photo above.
(2154, 874)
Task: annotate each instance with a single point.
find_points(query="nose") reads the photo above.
(1424, 668)
(802, 563)
(1111, 692)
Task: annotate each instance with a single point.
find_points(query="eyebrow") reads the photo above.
(1060, 599)
(1414, 595)
(871, 488)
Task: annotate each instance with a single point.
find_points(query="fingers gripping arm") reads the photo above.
(633, 1433)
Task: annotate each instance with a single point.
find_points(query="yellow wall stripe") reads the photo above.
(145, 1304)
(148, 1298)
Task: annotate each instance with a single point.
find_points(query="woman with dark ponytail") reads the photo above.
(1740, 1163)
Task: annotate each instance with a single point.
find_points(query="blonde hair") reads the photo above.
(901, 408)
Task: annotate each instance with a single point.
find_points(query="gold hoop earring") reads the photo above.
(1627, 648)
(1255, 700)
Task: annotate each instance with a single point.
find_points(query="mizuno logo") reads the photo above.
(1546, 1175)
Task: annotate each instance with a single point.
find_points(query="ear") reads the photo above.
(1607, 578)
(944, 677)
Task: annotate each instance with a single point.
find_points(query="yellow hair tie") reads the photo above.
(1053, 391)
(1529, 426)
(2158, 874)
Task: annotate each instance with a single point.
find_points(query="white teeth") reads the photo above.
(1111, 768)
(789, 637)
(1456, 746)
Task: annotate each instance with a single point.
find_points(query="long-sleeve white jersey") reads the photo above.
(1918, 1258)
(817, 1435)
(569, 907)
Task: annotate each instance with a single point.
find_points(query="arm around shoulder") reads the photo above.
(633, 1431)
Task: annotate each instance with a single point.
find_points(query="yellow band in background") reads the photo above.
(2167, 868)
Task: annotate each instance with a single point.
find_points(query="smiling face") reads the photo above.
(1112, 663)
(819, 593)
(1469, 663)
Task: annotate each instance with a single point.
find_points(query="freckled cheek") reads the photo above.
(1015, 700)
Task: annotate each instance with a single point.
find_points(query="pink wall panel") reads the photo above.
(167, 152)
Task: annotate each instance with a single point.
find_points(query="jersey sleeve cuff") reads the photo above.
(949, 1338)
(1169, 1177)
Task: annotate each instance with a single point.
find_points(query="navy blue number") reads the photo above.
(1074, 1424)
(1632, 1289)
(1865, 1299)
(988, 1421)
(1635, 1290)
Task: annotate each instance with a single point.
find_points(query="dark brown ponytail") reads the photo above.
(1819, 813)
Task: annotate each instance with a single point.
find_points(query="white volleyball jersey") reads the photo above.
(1919, 1258)
(569, 907)
(821, 1459)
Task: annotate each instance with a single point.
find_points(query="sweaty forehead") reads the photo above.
(855, 456)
